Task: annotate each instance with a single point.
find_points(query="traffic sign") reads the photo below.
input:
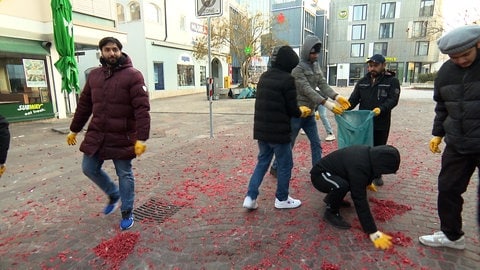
(208, 8)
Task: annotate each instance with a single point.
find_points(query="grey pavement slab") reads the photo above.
(51, 213)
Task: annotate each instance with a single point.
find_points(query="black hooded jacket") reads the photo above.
(384, 94)
(276, 100)
(358, 165)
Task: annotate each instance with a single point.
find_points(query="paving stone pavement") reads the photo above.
(194, 184)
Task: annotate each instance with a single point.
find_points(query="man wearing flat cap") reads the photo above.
(378, 91)
(457, 121)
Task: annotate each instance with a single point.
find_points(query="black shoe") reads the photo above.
(273, 171)
(336, 220)
(378, 181)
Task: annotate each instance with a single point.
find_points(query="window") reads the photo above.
(120, 13)
(203, 75)
(358, 31)
(186, 75)
(134, 11)
(360, 13)
(356, 72)
(387, 10)
(426, 8)
(386, 30)
(419, 29)
(183, 23)
(152, 13)
(309, 21)
(421, 48)
(357, 50)
(158, 76)
(380, 48)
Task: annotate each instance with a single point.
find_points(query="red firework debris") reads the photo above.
(384, 210)
(117, 249)
(400, 239)
(329, 266)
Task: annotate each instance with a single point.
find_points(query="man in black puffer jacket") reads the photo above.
(457, 119)
(378, 91)
(275, 104)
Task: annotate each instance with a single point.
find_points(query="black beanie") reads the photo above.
(284, 58)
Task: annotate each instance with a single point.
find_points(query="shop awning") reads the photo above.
(14, 45)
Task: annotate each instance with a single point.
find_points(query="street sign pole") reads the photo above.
(210, 76)
(208, 9)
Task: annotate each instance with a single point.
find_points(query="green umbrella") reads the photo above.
(63, 34)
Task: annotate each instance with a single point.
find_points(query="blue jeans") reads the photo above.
(92, 168)
(309, 125)
(283, 154)
(322, 111)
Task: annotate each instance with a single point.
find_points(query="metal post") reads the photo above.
(210, 96)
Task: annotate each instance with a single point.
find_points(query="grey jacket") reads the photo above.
(308, 76)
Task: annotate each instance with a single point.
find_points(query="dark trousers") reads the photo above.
(455, 174)
(4, 143)
(335, 187)
(380, 136)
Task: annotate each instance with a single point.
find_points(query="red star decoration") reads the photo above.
(281, 18)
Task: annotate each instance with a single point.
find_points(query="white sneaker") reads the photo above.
(288, 203)
(249, 203)
(302, 132)
(330, 137)
(438, 239)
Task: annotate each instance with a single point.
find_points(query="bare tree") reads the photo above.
(245, 35)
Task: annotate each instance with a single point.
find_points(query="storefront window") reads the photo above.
(186, 75)
(24, 91)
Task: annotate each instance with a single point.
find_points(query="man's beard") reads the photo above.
(112, 61)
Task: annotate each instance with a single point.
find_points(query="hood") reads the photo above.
(385, 159)
(284, 58)
(308, 44)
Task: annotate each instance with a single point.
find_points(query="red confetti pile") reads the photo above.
(329, 266)
(400, 239)
(117, 249)
(384, 210)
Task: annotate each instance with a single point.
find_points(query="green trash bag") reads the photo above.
(355, 127)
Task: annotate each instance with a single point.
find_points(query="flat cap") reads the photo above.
(460, 39)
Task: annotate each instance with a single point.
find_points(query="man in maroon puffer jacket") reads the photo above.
(116, 98)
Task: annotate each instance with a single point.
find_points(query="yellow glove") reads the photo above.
(343, 102)
(140, 148)
(305, 111)
(333, 107)
(72, 138)
(2, 170)
(381, 240)
(376, 111)
(317, 116)
(372, 187)
(434, 143)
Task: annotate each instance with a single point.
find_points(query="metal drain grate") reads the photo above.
(155, 210)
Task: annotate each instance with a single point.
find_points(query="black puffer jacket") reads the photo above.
(457, 113)
(276, 100)
(384, 94)
(359, 164)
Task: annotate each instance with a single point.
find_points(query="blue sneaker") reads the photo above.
(111, 206)
(127, 220)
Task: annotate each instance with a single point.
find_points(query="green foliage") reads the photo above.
(427, 77)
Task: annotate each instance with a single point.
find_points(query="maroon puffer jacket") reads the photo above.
(117, 99)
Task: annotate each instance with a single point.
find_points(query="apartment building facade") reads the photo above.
(160, 47)
(405, 32)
